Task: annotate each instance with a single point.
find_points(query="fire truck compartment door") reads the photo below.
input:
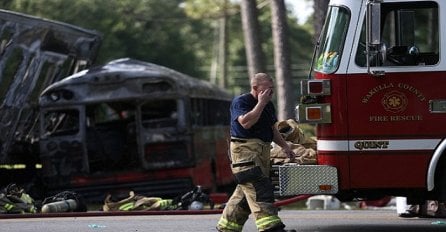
(307, 179)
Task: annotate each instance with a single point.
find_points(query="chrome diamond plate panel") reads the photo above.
(307, 179)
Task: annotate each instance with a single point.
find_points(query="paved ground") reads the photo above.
(301, 220)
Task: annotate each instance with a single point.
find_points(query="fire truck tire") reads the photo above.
(441, 183)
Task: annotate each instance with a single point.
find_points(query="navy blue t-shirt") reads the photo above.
(262, 129)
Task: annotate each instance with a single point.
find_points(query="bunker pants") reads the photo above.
(254, 192)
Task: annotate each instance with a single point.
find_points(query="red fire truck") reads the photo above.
(377, 94)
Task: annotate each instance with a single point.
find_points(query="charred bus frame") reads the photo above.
(34, 52)
(134, 125)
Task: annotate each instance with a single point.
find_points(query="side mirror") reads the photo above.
(374, 47)
(374, 22)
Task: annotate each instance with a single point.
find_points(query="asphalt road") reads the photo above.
(301, 220)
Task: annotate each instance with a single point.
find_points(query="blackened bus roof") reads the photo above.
(127, 72)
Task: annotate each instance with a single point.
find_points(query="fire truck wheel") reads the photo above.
(441, 182)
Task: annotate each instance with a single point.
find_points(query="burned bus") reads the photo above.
(34, 52)
(133, 125)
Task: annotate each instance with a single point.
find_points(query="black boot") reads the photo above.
(279, 228)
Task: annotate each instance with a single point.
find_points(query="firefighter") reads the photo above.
(253, 129)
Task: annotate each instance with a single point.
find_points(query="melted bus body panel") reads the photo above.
(134, 125)
(35, 53)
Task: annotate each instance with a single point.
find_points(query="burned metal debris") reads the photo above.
(34, 52)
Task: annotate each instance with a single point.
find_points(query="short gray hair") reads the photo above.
(260, 77)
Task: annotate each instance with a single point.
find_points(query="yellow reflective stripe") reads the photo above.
(164, 204)
(12, 166)
(18, 166)
(26, 198)
(126, 206)
(225, 224)
(8, 206)
(266, 222)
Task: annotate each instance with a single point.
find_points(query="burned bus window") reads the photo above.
(197, 113)
(219, 112)
(160, 113)
(111, 138)
(109, 112)
(12, 66)
(209, 112)
(42, 81)
(61, 122)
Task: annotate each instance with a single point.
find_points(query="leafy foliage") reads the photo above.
(180, 34)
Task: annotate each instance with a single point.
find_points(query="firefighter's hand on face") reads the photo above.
(265, 96)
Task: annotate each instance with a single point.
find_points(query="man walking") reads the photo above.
(253, 129)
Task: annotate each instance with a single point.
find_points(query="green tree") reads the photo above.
(136, 29)
(218, 11)
(168, 33)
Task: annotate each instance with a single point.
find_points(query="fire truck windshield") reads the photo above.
(332, 39)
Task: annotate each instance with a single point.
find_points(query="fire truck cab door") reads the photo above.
(396, 120)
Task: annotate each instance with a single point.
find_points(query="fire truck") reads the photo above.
(376, 94)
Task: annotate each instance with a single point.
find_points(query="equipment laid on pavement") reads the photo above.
(60, 206)
(189, 200)
(66, 201)
(192, 200)
(14, 200)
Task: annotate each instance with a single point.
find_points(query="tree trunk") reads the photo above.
(320, 8)
(254, 52)
(223, 47)
(285, 92)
